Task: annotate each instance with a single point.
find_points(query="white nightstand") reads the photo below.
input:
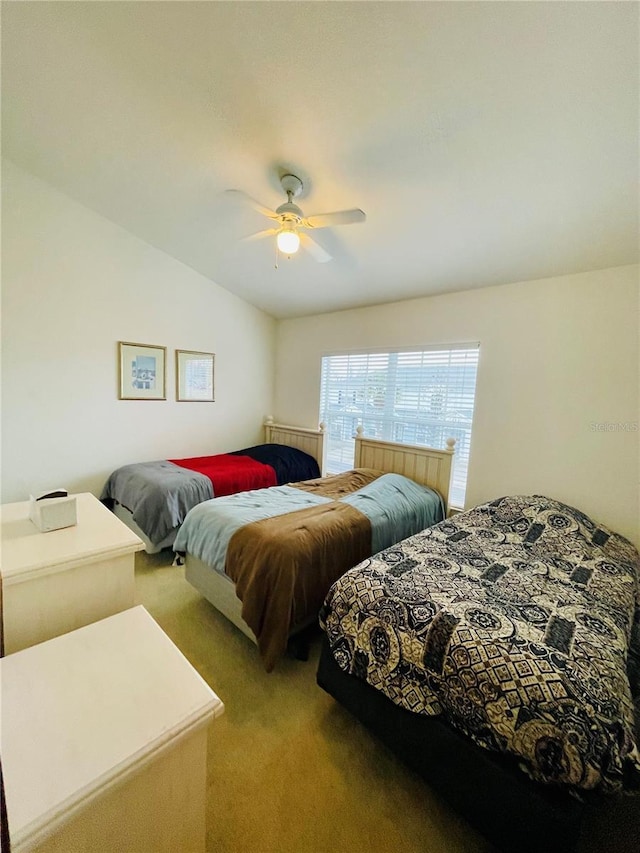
(104, 742)
(57, 581)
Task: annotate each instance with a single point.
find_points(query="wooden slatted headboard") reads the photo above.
(426, 465)
(310, 441)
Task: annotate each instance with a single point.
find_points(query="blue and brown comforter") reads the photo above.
(518, 621)
(284, 546)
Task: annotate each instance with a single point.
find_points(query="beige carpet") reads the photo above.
(290, 771)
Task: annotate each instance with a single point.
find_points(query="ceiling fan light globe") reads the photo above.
(288, 242)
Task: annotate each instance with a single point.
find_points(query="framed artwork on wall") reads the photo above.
(142, 371)
(194, 376)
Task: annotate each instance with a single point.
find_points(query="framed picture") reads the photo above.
(142, 371)
(194, 376)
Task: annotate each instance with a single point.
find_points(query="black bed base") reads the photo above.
(511, 811)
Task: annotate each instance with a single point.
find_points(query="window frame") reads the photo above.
(414, 428)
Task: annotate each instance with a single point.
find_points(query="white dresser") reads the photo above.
(57, 581)
(104, 742)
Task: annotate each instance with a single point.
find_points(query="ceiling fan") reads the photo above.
(290, 224)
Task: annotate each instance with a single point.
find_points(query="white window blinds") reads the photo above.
(414, 397)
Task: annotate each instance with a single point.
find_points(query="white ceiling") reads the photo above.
(487, 142)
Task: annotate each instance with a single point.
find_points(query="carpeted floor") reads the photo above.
(290, 771)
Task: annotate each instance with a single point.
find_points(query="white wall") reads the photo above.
(73, 285)
(556, 356)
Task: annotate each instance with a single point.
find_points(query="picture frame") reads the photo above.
(194, 376)
(142, 369)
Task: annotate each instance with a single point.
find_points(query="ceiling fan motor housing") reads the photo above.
(289, 212)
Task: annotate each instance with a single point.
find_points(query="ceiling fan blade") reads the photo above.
(259, 235)
(265, 211)
(340, 217)
(316, 251)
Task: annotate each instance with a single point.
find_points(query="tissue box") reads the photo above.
(53, 513)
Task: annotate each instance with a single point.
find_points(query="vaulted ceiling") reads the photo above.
(486, 142)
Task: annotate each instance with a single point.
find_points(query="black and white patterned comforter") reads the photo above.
(516, 620)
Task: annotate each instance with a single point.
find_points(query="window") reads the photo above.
(413, 397)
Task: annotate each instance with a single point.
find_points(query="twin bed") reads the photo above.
(266, 559)
(503, 640)
(153, 498)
